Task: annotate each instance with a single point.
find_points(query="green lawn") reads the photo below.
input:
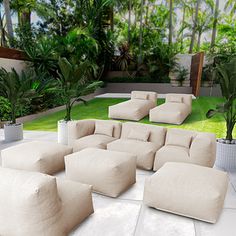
(98, 109)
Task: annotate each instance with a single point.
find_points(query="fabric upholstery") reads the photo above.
(174, 111)
(202, 149)
(189, 190)
(110, 173)
(145, 151)
(45, 157)
(141, 136)
(152, 96)
(134, 109)
(30, 204)
(105, 129)
(94, 140)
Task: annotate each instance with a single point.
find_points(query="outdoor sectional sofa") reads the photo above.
(153, 145)
(134, 109)
(175, 110)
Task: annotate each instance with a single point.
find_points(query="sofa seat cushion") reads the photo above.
(186, 189)
(94, 140)
(145, 151)
(134, 109)
(172, 154)
(109, 172)
(170, 112)
(45, 157)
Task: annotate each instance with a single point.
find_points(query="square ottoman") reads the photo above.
(186, 189)
(110, 173)
(44, 157)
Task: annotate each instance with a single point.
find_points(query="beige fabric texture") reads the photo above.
(134, 109)
(36, 204)
(145, 151)
(202, 150)
(110, 173)
(189, 190)
(172, 111)
(84, 130)
(141, 136)
(45, 157)
(105, 129)
(94, 140)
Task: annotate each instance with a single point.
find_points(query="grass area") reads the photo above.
(98, 109)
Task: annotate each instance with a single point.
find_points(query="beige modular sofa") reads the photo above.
(36, 204)
(136, 108)
(153, 145)
(186, 189)
(175, 110)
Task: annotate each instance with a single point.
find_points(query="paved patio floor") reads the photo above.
(127, 216)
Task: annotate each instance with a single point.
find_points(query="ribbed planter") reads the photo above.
(62, 134)
(226, 156)
(13, 132)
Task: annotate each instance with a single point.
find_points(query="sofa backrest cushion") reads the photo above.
(152, 96)
(30, 200)
(137, 135)
(104, 128)
(106, 123)
(174, 97)
(157, 133)
(180, 137)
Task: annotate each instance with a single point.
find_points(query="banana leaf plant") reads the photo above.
(226, 74)
(73, 80)
(17, 89)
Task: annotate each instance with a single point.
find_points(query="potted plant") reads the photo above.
(73, 83)
(226, 148)
(17, 90)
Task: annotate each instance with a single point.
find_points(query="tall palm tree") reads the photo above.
(214, 27)
(7, 10)
(195, 22)
(129, 20)
(3, 41)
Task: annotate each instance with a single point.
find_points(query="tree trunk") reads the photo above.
(8, 20)
(68, 111)
(170, 22)
(182, 34)
(199, 41)
(112, 18)
(2, 32)
(147, 13)
(140, 58)
(194, 26)
(25, 18)
(213, 36)
(129, 21)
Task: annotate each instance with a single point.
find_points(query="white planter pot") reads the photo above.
(62, 134)
(13, 132)
(226, 156)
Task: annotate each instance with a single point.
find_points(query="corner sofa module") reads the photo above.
(92, 133)
(189, 190)
(136, 108)
(110, 173)
(175, 110)
(36, 204)
(187, 146)
(45, 157)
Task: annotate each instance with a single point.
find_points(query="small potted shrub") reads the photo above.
(226, 147)
(17, 90)
(73, 83)
(179, 75)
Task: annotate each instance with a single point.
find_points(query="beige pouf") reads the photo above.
(189, 190)
(36, 204)
(109, 172)
(45, 157)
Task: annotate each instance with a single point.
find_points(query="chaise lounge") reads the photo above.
(136, 108)
(175, 110)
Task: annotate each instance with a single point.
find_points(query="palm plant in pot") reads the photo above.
(17, 90)
(226, 148)
(73, 82)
